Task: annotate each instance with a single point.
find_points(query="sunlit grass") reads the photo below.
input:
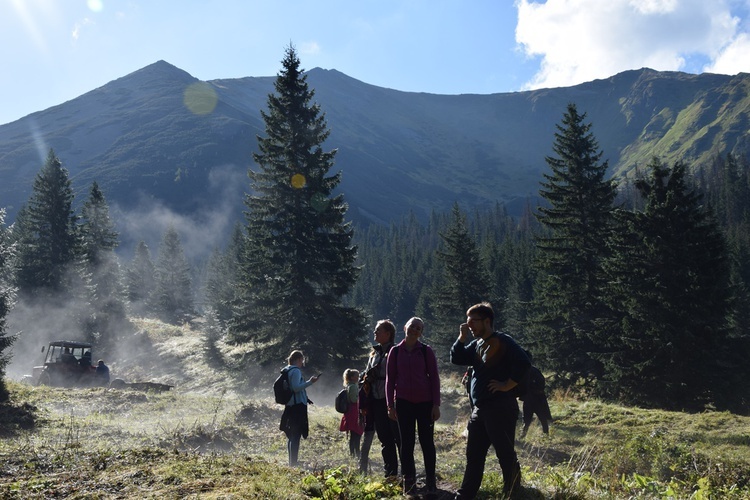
(214, 443)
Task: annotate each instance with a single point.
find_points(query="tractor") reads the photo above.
(67, 364)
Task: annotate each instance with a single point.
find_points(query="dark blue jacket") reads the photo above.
(496, 358)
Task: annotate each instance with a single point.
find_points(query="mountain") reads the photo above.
(399, 152)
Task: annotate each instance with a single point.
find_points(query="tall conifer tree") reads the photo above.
(578, 218)
(299, 260)
(97, 229)
(669, 285)
(173, 293)
(464, 281)
(140, 280)
(49, 241)
(7, 296)
(99, 243)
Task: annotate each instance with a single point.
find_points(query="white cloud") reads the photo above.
(76, 33)
(734, 58)
(582, 40)
(309, 48)
(654, 6)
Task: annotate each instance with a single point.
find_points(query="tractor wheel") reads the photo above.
(44, 379)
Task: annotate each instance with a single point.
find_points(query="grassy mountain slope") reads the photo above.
(714, 122)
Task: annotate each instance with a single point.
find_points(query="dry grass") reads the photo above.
(209, 439)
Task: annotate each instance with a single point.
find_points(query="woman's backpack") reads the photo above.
(282, 390)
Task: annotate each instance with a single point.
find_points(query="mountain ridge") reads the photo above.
(400, 152)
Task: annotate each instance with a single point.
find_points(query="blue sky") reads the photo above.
(56, 50)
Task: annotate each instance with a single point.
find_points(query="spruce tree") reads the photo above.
(298, 264)
(521, 282)
(669, 287)
(49, 247)
(739, 315)
(221, 280)
(7, 296)
(97, 229)
(577, 219)
(99, 240)
(140, 281)
(464, 280)
(173, 294)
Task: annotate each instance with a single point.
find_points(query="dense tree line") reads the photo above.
(610, 292)
(7, 296)
(636, 292)
(67, 273)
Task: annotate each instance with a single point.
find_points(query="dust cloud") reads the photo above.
(37, 321)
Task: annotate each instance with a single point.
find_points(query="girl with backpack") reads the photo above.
(350, 421)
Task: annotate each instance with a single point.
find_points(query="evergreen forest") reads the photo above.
(633, 290)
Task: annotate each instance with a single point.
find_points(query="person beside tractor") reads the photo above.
(85, 361)
(101, 376)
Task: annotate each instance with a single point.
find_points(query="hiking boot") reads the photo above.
(431, 484)
(512, 482)
(431, 488)
(410, 484)
(512, 489)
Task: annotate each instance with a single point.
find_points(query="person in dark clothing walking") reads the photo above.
(375, 407)
(498, 364)
(535, 402)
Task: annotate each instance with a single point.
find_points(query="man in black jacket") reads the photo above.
(498, 365)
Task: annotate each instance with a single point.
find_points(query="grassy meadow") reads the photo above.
(207, 439)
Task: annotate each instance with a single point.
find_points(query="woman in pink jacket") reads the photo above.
(413, 398)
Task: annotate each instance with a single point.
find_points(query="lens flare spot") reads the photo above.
(298, 181)
(319, 202)
(200, 98)
(95, 5)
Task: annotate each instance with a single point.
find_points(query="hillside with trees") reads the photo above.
(633, 291)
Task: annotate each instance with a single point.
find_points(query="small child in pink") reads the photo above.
(350, 421)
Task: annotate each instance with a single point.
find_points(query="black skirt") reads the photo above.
(294, 420)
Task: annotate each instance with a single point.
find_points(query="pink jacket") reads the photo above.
(412, 376)
(350, 420)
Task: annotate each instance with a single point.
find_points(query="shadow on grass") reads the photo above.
(16, 417)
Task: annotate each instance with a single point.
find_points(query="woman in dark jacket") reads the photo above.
(373, 402)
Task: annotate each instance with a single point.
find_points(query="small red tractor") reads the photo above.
(67, 364)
